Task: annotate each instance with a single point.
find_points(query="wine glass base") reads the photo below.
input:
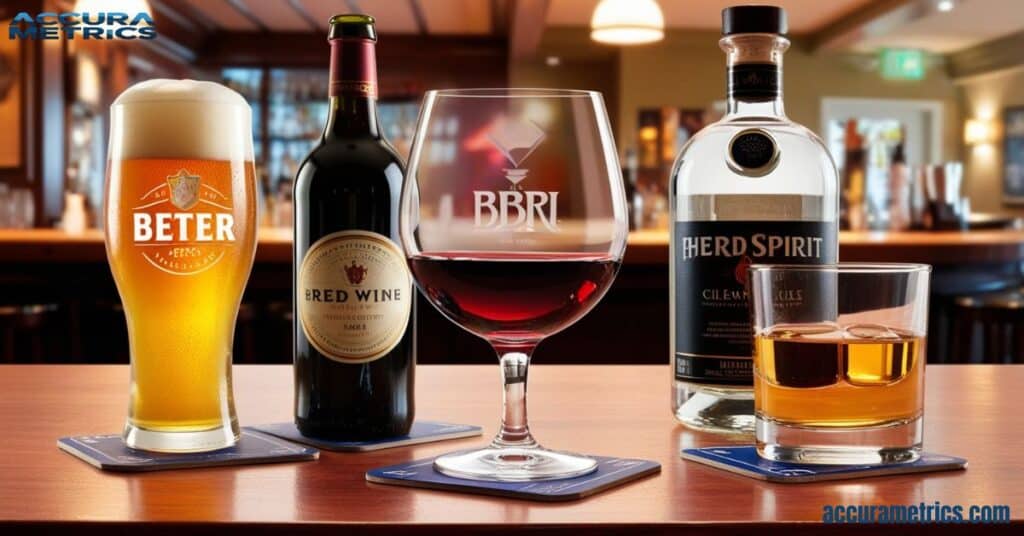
(514, 464)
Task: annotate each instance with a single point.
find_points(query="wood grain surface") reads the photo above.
(971, 411)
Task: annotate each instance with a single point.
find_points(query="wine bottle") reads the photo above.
(354, 317)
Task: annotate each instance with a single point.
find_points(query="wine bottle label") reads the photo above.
(354, 296)
(713, 335)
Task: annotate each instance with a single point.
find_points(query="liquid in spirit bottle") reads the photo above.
(753, 187)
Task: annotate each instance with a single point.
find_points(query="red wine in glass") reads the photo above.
(510, 297)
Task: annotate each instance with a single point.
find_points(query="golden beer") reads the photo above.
(181, 234)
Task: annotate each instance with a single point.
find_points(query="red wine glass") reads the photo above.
(514, 221)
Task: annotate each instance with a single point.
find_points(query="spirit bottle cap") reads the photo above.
(754, 19)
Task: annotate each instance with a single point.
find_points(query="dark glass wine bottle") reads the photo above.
(354, 321)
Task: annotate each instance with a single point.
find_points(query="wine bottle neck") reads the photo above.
(353, 90)
(352, 117)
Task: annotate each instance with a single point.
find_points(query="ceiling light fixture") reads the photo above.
(945, 5)
(627, 22)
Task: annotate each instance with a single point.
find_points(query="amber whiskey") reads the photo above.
(825, 375)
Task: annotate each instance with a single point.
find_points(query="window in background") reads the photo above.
(922, 120)
(1013, 158)
(294, 106)
(661, 133)
(869, 139)
(248, 82)
(10, 101)
(296, 114)
(398, 119)
(870, 146)
(85, 146)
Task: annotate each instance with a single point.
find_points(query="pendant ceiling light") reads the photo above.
(627, 22)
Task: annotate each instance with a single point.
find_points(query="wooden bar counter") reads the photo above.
(645, 247)
(40, 267)
(971, 411)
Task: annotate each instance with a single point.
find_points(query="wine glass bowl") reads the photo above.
(514, 221)
(551, 293)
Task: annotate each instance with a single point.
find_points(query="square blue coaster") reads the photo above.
(743, 460)
(108, 452)
(610, 472)
(421, 432)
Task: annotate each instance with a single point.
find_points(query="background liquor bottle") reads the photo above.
(752, 187)
(634, 195)
(354, 320)
(854, 181)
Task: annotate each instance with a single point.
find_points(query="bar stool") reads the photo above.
(989, 328)
(23, 328)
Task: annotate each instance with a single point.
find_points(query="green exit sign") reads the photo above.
(902, 64)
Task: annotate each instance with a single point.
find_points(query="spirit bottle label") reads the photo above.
(754, 80)
(712, 317)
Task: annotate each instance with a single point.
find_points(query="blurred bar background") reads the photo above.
(921, 103)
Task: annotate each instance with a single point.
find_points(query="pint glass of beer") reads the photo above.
(180, 233)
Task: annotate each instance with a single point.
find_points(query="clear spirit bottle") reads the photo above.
(753, 187)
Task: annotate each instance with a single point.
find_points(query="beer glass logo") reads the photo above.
(183, 226)
(516, 209)
(184, 189)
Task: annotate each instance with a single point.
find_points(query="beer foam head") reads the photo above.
(164, 118)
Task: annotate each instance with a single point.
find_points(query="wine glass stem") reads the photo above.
(515, 432)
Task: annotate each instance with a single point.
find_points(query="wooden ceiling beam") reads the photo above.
(181, 31)
(873, 18)
(309, 49)
(244, 11)
(1000, 54)
(183, 14)
(419, 17)
(297, 6)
